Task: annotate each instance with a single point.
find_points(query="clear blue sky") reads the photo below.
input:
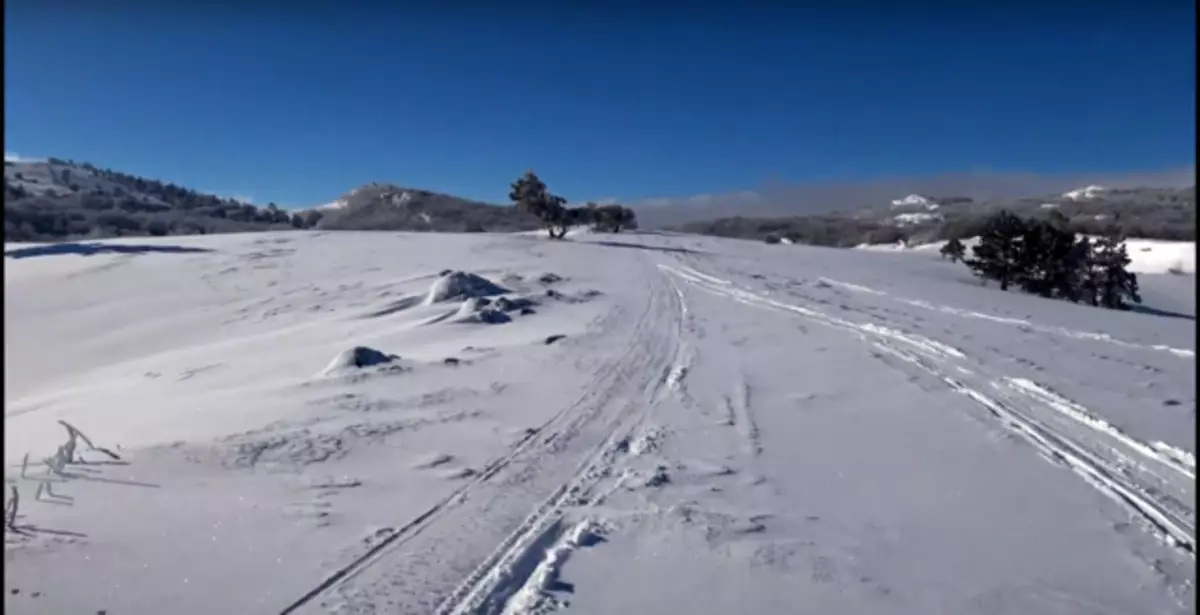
(298, 102)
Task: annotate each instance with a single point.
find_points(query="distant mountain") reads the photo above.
(388, 207)
(60, 199)
(1149, 213)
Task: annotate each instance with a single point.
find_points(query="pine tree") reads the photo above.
(954, 250)
(998, 255)
(612, 218)
(1046, 260)
(1087, 272)
(529, 194)
(1115, 284)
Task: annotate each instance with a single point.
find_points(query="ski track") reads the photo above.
(515, 579)
(1019, 322)
(1019, 404)
(488, 582)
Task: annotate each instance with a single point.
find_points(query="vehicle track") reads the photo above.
(513, 567)
(646, 341)
(1038, 417)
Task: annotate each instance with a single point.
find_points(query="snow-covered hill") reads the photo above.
(315, 422)
(915, 201)
(381, 206)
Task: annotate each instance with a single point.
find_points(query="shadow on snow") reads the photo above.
(89, 249)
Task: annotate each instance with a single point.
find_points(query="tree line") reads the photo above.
(83, 201)
(529, 194)
(1045, 257)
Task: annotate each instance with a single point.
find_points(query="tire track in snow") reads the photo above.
(741, 417)
(1062, 449)
(548, 434)
(1174, 458)
(515, 578)
(1179, 460)
(684, 357)
(1019, 322)
(1018, 414)
(923, 344)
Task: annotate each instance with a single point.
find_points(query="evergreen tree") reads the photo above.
(998, 255)
(1046, 260)
(1087, 273)
(530, 195)
(312, 218)
(1115, 284)
(612, 218)
(954, 250)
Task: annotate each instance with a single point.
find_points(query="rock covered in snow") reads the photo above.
(359, 357)
(461, 285)
(479, 309)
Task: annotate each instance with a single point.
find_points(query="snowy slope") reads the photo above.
(725, 427)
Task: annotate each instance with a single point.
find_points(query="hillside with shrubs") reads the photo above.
(1149, 213)
(60, 199)
(57, 200)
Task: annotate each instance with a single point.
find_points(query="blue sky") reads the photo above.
(297, 103)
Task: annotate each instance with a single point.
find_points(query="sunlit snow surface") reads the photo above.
(630, 423)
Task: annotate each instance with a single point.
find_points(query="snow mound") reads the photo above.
(461, 285)
(479, 309)
(1085, 193)
(358, 357)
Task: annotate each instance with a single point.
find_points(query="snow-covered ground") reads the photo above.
(644, 424)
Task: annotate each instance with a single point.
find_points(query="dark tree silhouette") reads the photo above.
(1045, 258)
(954, 250)
(998, 255)
(530, 195)
(1116, 285)
(612, 218)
